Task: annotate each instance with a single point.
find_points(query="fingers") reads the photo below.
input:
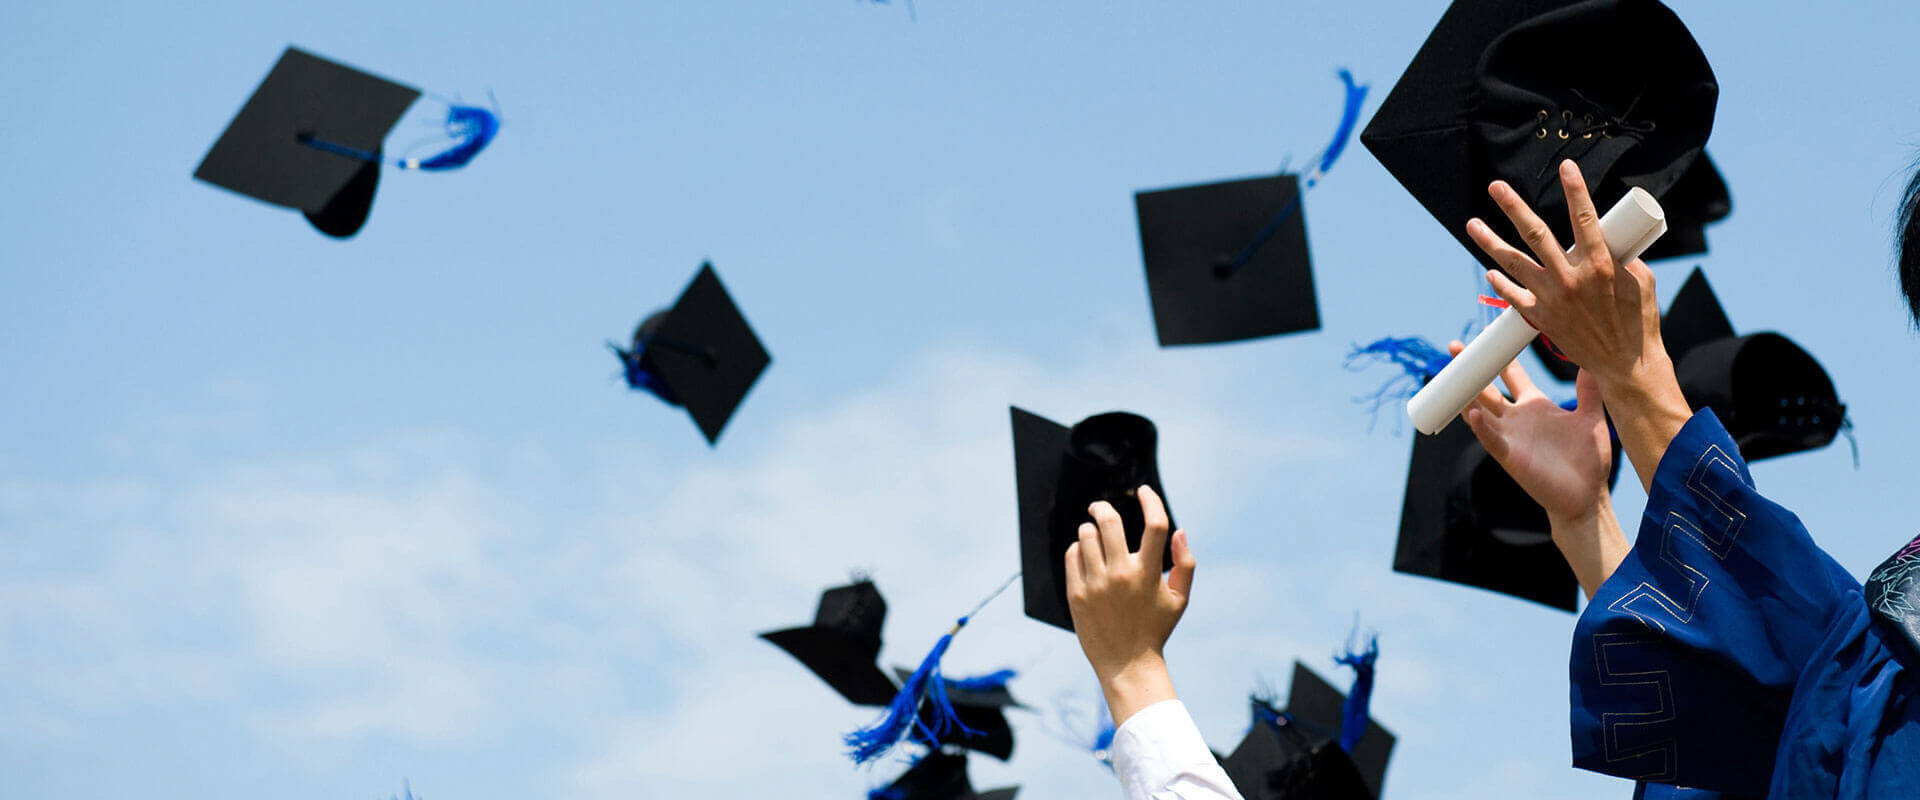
(1113, 534)
(1485, 429)
(1516, 296)
(1093, 564)
(1506, 255)
(1587, 237)
(1533, 230)
(1076, 583)
(1153, 540)
(1181, 579)
(1517, 381)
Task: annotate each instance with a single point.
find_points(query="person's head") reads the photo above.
(1909, 240)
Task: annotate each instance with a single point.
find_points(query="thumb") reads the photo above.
(1180, 580)
(1587, 393)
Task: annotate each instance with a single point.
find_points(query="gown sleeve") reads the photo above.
(1159, 755)
(1684, 665)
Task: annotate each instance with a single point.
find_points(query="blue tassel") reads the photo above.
(640, 378)
(925, 688)
(1417, 358)
(1103, 735)
(1353, 723)
(903, 716)
(1349, 117)
(990, 682)
(472, 127)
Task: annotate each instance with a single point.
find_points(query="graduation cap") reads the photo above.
(1296, 755)
(842, 645)
(1507, 89)
(938, 776)
(1465, 520)
(1059, 471)
(277, 148)
(311, 136)
(1772, 396)
(1698, 200)
(700, 354)
(1228, 261)
(1190, 235)
(982, 712)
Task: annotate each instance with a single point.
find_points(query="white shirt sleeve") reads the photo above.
(1159, 755)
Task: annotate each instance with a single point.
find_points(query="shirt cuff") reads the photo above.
(1158, 745)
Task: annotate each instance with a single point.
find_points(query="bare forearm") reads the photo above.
(1136, 686)
(1592, 543)
(1648, 410)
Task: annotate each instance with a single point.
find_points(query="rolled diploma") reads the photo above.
(1630, 227)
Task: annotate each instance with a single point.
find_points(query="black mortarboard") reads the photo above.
(1227, 261)
(1297, 755)
(982, 712)
(700, 353)
(1314, 702)
(1282, 760)
(290, 143)
(1465, 520)
(1771, 395)
(938, 776)
(1506, 89)
(842, 646)
(1059, 472)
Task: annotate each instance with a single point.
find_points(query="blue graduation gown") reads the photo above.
(1729, 653)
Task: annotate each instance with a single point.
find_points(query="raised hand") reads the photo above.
(1603, 315)
(1123, 608)
(1562, 459)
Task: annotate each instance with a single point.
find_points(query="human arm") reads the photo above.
(1123, 611)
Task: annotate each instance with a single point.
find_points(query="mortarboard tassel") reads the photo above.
(1356, 96)
(990, 682)
(925, 686)
(641, 378)
(1349, 116)
(1103, 735)
(1417, 358)
(471, 127)
(1353, 723)
(1071, 725)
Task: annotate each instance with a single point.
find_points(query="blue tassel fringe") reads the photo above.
(1353, 723)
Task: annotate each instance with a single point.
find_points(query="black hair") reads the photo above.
(1909, 241)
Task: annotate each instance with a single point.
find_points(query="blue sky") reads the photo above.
(285, 516)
